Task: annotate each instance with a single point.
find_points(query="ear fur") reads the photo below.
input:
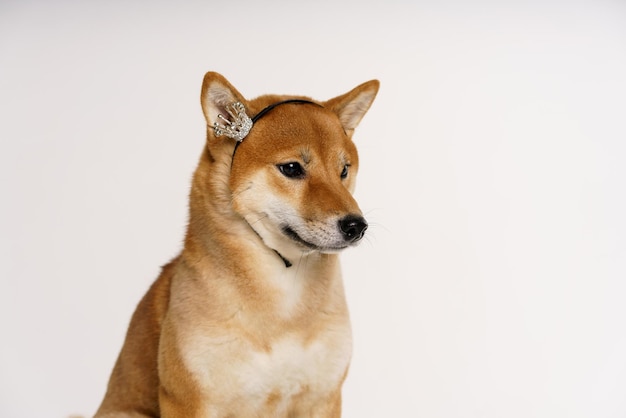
(217, 93)
(352, 106)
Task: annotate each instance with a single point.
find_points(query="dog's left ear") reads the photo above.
(352, 106)
(217, 95)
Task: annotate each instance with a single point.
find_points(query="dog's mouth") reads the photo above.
(288, 231)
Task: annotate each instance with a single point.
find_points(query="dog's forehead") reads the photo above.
(301, 125)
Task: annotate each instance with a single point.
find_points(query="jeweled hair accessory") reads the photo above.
(238, 127)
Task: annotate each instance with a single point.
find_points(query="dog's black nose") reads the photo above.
(352, 227)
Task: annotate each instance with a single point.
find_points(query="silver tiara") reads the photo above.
(238, 127)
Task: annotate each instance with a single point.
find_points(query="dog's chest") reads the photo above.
(234, 375)
(290, 368)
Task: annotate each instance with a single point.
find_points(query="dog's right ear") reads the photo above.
(352, 106)
(218, 94)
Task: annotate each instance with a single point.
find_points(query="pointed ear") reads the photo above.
(352, 106)
(217, 94)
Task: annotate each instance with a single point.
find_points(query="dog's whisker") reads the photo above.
(259, 219)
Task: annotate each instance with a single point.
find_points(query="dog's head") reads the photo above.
(292, 175)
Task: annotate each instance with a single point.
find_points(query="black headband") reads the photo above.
(272, 106)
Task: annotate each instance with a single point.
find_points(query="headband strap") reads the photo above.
(272, 106)
(239, 124)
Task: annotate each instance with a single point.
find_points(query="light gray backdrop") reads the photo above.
(492, 281)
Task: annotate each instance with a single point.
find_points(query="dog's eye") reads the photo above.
(344, 172)
(292, 170)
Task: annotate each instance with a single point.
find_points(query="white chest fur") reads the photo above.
(289, 368)
(235, 377)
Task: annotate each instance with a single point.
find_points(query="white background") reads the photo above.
(492, 282)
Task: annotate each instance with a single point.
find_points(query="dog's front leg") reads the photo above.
(179, 393)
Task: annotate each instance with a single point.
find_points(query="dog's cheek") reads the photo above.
(255, 194)
(245, 192)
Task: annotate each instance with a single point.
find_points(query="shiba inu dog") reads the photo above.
(250, 320)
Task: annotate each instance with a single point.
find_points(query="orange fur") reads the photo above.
(228, 329)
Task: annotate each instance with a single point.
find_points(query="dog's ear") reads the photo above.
(217, 93)
(352, 106)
